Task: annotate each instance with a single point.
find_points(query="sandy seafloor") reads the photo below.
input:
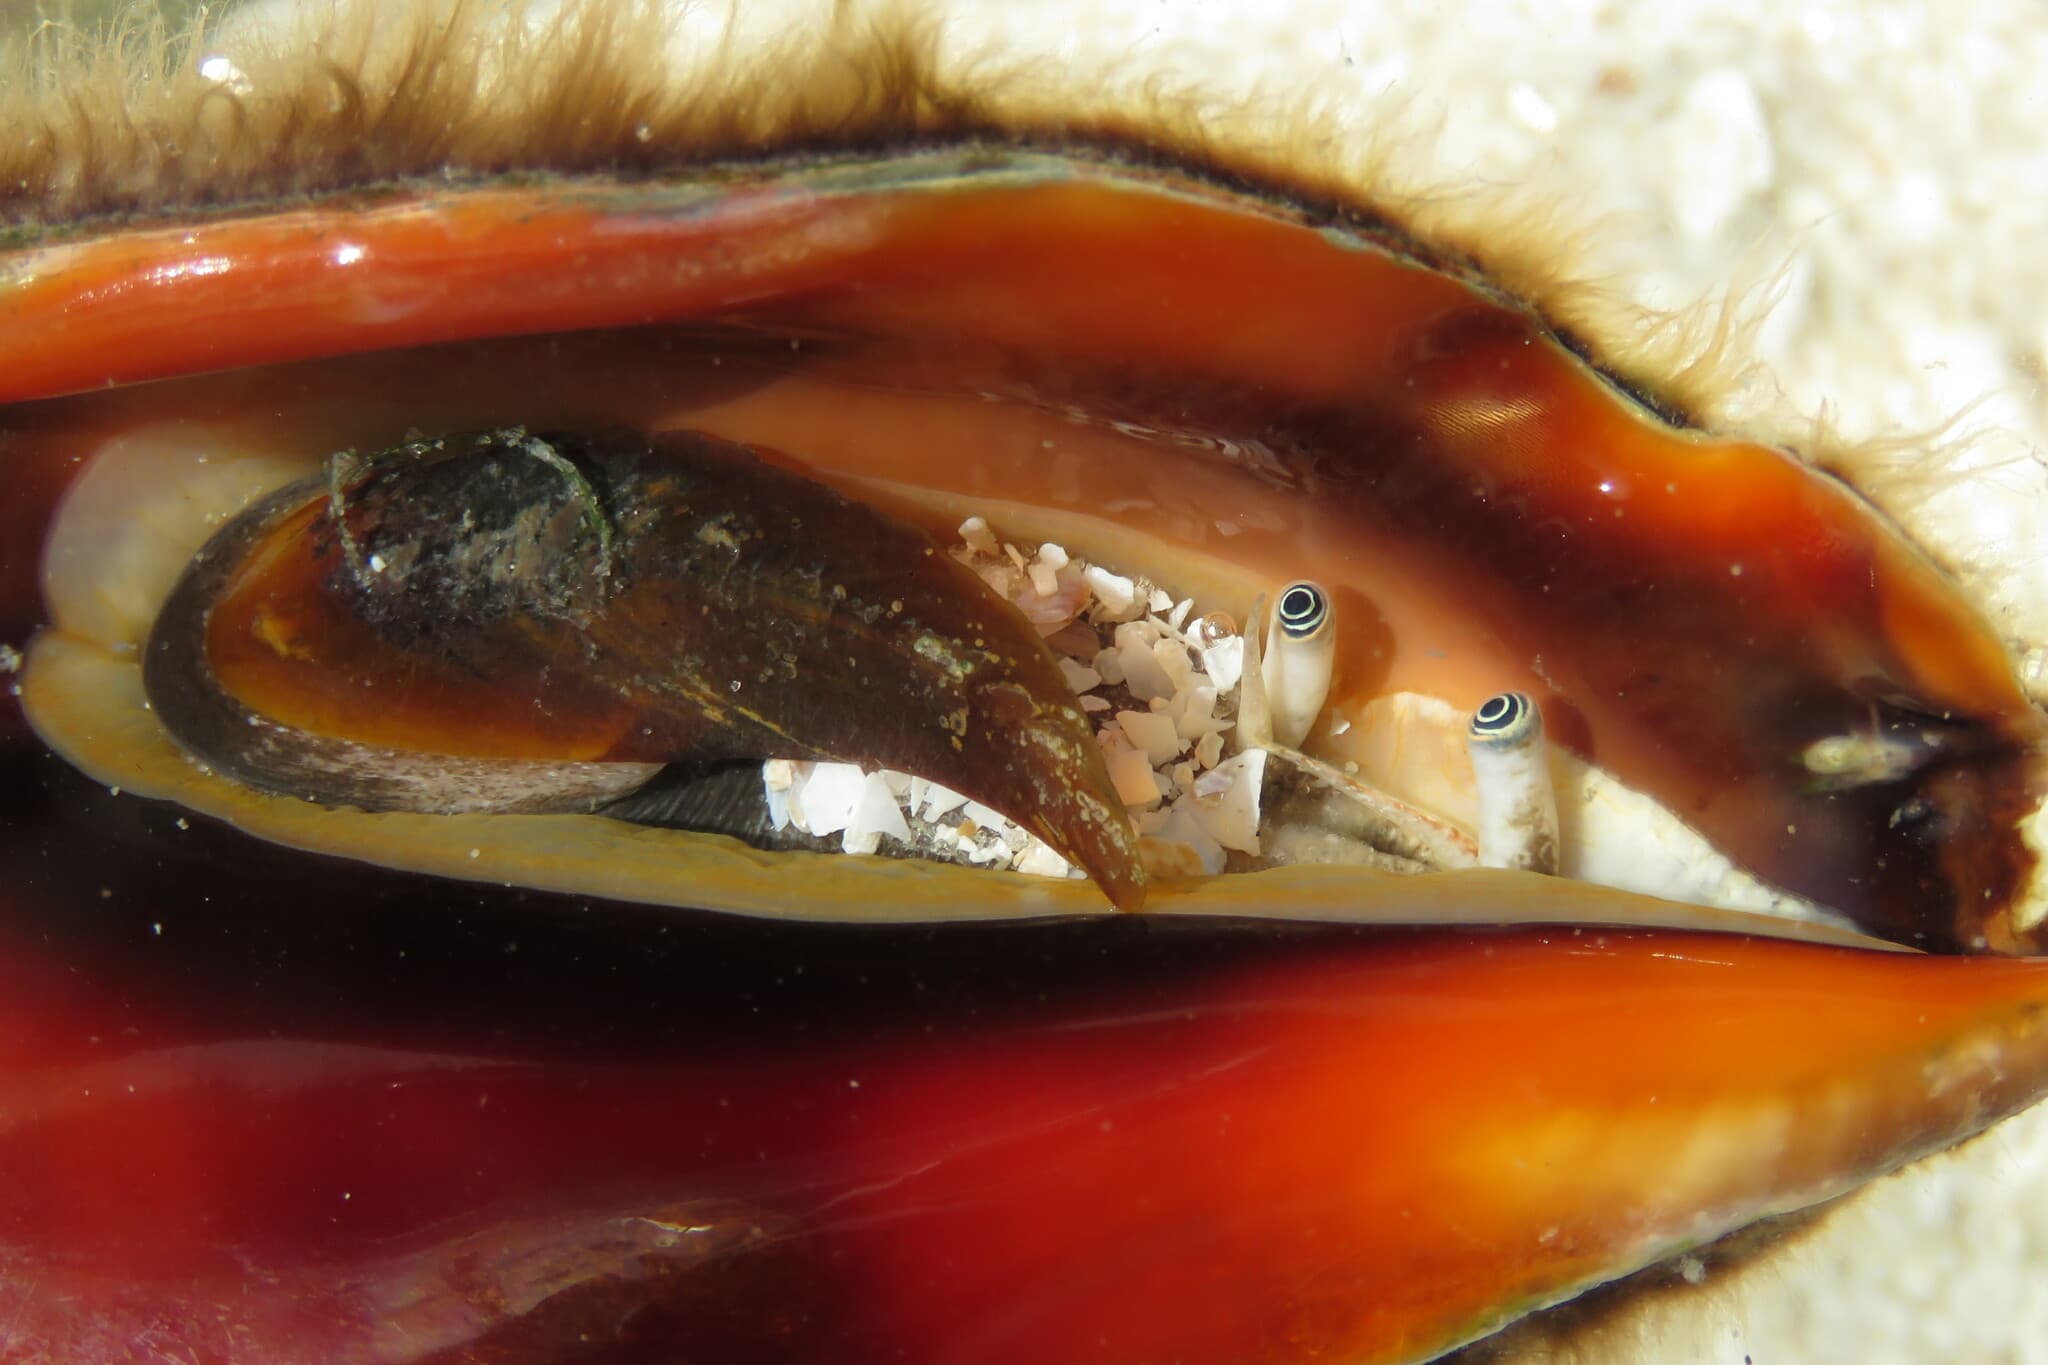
(1883, 169)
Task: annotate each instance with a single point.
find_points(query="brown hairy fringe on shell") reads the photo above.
(116, 122)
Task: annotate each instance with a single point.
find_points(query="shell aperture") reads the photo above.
(1435, 457)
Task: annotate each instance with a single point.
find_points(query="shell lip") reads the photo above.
(611, 860)
(1453, 899)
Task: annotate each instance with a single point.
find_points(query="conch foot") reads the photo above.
(516, 623)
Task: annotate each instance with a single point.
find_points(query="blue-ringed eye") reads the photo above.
(1304, 610)
(1506, 719)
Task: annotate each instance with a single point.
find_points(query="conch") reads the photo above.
(803, 707)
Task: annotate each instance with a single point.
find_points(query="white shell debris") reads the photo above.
(1080, 677)
(1039, 860)
(1153, 733)
(862, 808)
(1226, 800)
(1181, 845)
(1144, 673)
(1132, 776)
(823, 802)
(1173, 679)
(1224, 661)
(974, 531)
(1117, 595)
(874, 814)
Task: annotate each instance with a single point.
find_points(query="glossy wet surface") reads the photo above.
(257, 1102)
(261, 1104)
(1283, 388)
(1692, 615)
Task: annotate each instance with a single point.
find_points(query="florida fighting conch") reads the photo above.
(832, 712)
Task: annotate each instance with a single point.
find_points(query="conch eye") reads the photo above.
(1303, 611)
(1506, 721)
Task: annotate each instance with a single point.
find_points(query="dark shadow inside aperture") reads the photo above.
(722, 798)
(172, 928)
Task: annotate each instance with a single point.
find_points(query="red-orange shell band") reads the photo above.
(1344, 1148)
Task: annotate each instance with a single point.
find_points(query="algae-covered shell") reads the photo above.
(891, 250)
